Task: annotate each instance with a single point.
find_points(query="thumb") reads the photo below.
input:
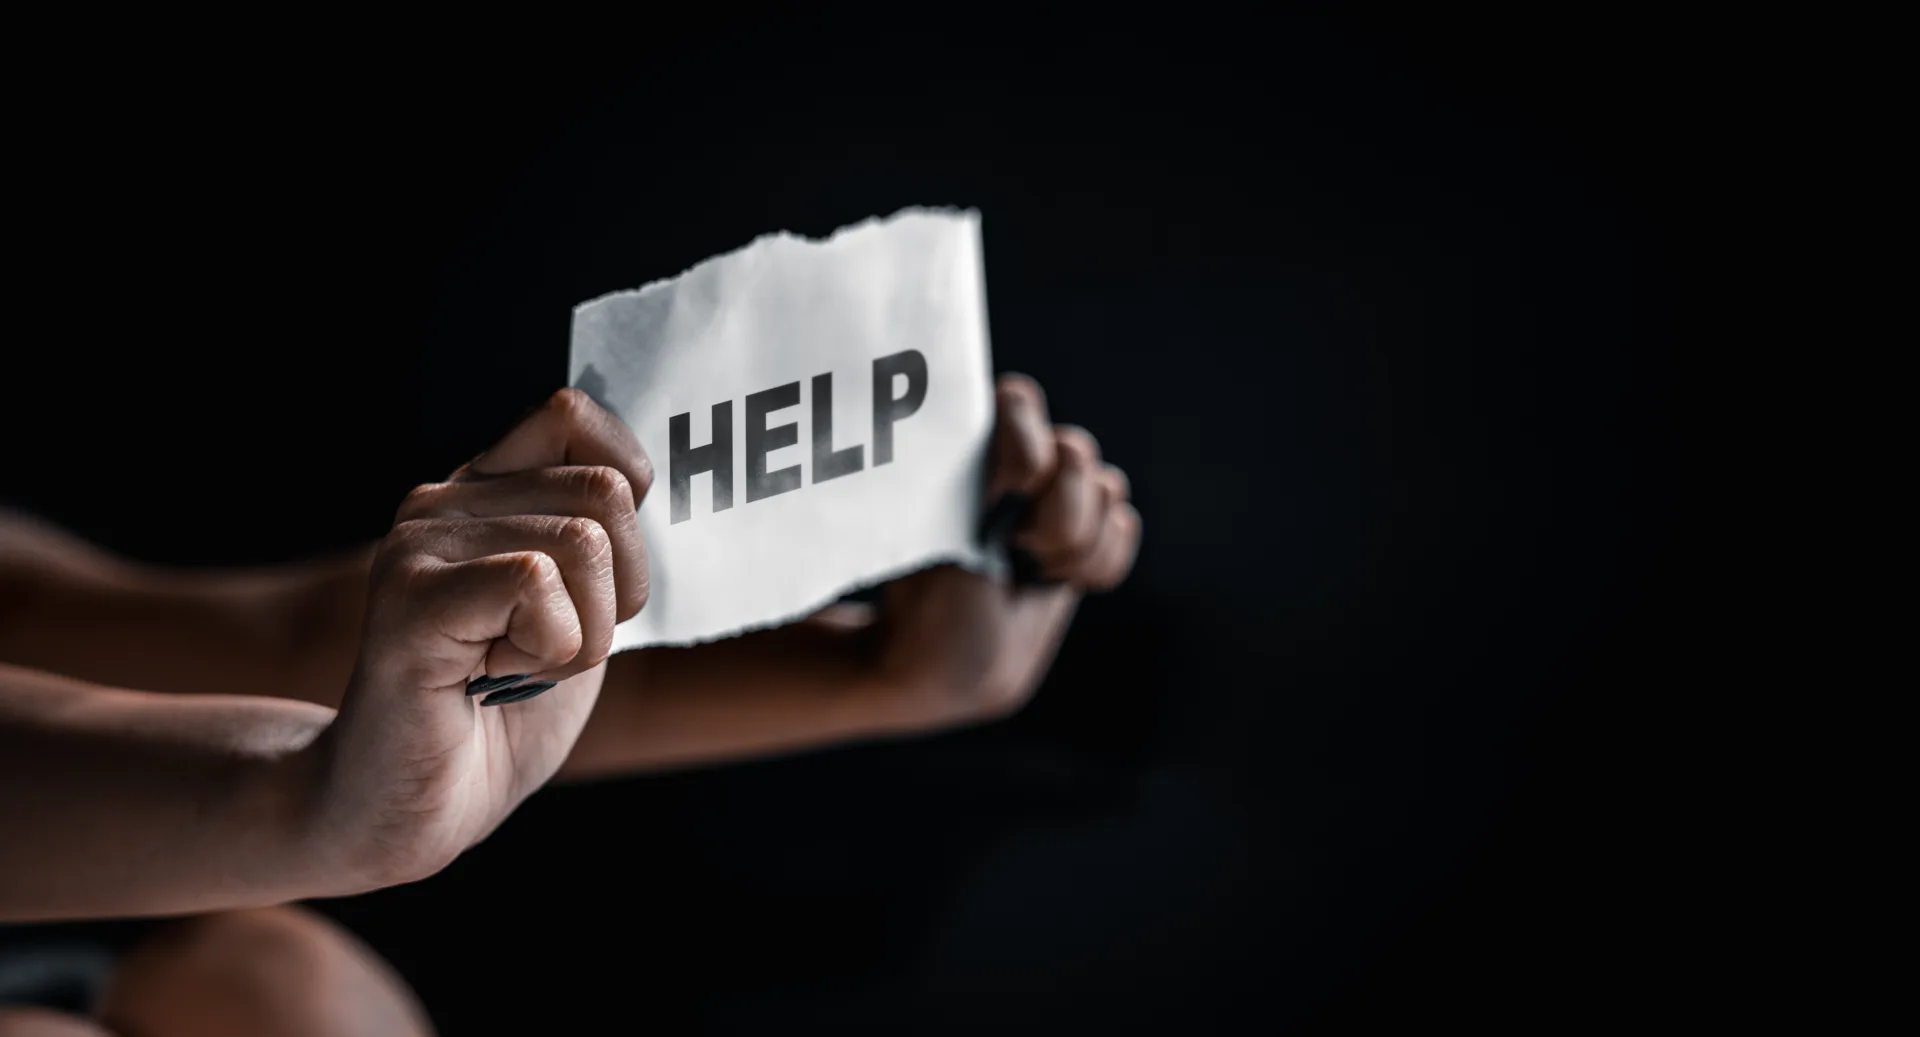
(1022, 456)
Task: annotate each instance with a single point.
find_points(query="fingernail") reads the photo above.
(1027, 570)
(1005, 514)
(484, 683)
(519, 694)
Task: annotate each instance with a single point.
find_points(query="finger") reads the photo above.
(597, 492)
(569, 429)
(539, 630)
(1108, 561)
(1119, 487)
(579, 546)
(501, 614)
(1067, 515)
(1022, 456)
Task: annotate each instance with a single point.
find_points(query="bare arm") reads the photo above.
(807, 686)
(946, 648)
(68, 607)
(295, 630)
(123, 803)
(783, 690)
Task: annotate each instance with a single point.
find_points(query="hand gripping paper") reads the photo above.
(817, 414)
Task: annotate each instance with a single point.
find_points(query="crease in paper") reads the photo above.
(779, 311)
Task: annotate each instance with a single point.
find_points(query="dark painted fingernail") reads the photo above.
(997, 526)
(1027, 570)
(484, 683)
(519, 694)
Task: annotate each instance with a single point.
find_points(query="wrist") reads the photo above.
(912, 700)
(320, 831)
(257, 840)
(284, 802)
(341, 824)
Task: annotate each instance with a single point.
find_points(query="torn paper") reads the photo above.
(817, 414)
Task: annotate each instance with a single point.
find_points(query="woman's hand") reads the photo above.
(965, 647)
(945, 647)
(515, 570)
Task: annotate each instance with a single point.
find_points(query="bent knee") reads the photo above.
(267, 971)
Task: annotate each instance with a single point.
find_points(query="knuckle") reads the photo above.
(1018, 388)
(585, 536)
(571, 404)
(533, 569)
(411, 531)
(401, 542)
(419, 500)
(400, 588)
(1077, 445)
(607, 486)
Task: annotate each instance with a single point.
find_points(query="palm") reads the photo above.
(526, 745)
(478, 763)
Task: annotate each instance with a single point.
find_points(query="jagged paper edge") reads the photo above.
(993, 565)
(782, 235)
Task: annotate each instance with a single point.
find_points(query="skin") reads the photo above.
(265, 736)
(257, 737)
(267, 972)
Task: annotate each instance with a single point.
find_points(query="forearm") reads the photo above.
(126, 803)
(771, 692)
(807, 686)
(68, 607)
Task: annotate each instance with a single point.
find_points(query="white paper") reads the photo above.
(775, 313)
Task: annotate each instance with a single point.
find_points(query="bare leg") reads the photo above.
(274, 972)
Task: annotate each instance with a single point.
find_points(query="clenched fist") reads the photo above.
(967, 647)
(490, 613)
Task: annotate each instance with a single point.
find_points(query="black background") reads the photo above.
(1384, 315)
